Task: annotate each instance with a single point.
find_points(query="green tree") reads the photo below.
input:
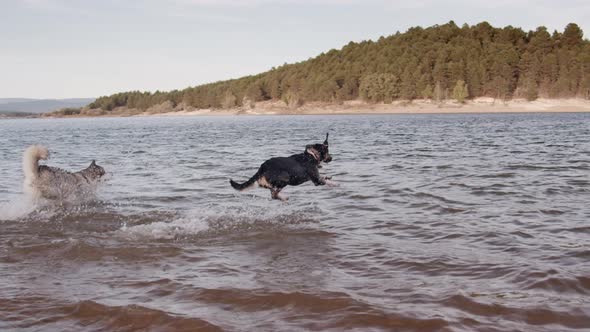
(439, 95)
(379, 88)
(407, 86)
(292, 99)
(572, 36)
(427, 93)
(460, 91)
(229, 100)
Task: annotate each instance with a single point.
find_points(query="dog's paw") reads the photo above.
(331, 183)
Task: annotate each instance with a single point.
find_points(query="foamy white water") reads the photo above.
(16, 208)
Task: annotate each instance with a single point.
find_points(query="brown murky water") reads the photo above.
(440, 223)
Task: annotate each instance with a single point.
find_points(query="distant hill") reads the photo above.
(9, 114)
(439, 62)
(27, 105)
(14, 100)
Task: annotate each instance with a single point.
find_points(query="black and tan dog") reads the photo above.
(277, 173)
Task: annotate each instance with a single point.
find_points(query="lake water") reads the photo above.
(439, 223)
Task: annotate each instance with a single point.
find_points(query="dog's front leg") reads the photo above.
(317, 179)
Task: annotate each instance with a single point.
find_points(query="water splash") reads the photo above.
(215, 221)
(17, 208)
(27, 205)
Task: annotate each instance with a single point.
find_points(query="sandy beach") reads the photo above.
(480, 105)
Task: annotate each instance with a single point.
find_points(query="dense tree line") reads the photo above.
(439, 62)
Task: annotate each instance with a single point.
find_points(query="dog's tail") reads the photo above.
(247, 184)
(31, 158)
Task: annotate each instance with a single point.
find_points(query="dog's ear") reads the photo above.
(326, 141)
(93, 163)
(313, 151)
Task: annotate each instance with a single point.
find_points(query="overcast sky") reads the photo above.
(88, 48)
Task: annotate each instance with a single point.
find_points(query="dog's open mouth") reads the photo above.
(105, 177)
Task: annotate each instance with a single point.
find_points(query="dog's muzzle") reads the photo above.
(328, 159)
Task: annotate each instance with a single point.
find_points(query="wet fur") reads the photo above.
(277, 173)
(55, 183)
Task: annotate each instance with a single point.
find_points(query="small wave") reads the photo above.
(209, 223)
(577, 285)
(498, 175)
(43, 313)
(581, 183)
(478, 192)
(341, 312)
(132, 317)
(553, 212)
(166, 230)
(522, 234)
(538, 316)
(527, 167)
(580, 229)
(425, 195)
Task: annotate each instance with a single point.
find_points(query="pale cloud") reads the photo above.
(391, 3)
(68, 48)
(67, 7)
(42, 4)
(257, 3)
(527, 6)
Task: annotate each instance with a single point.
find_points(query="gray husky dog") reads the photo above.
(47, 182)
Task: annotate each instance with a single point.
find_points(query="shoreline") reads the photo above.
(355, 107)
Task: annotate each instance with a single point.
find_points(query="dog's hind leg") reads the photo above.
(274, 193)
